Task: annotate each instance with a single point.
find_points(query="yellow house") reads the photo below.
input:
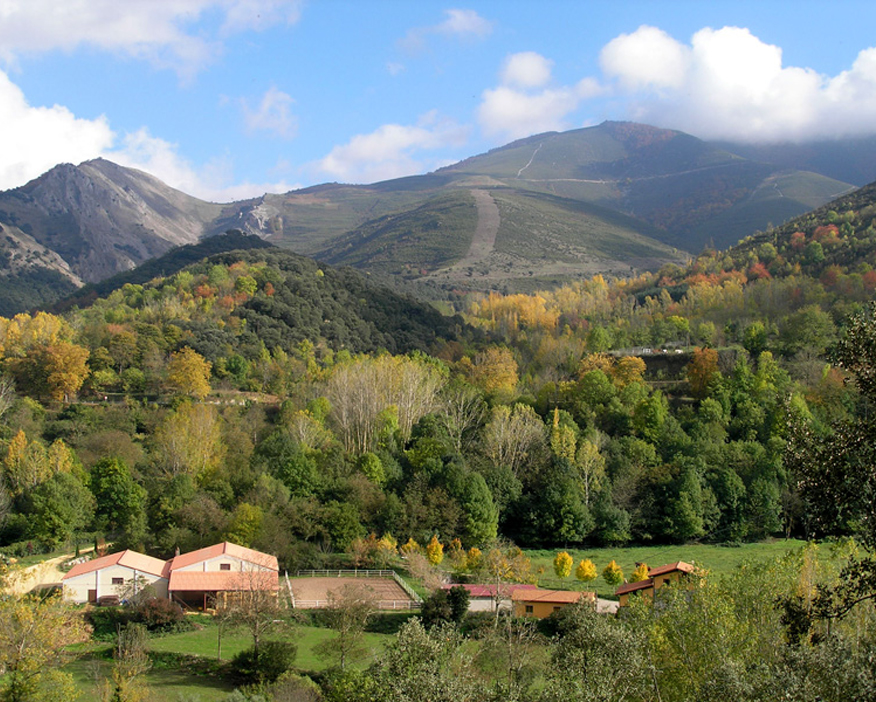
(535, 602)
(657, 578)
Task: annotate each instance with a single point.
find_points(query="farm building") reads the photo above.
(482, 598)
(200, 578)
(657, 578)
(535, 602)
(115, 576)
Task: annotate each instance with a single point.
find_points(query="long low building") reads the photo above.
(535, 602)
(116, 575)
(195, 580)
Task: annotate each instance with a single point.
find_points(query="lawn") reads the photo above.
(203, 643)
(718, 560)
(172, 681)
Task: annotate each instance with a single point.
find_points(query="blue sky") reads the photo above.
(226, 99)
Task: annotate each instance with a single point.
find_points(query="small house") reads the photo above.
(115, 577)
(535, 602)
(657, 578)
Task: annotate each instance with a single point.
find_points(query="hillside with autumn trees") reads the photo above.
(299, 408)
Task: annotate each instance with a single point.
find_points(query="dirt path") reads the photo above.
(484, 239)
(20, 582)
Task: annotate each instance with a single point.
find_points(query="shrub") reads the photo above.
(266, 663)
(159, 614)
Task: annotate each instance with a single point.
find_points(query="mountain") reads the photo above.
(615, 198)
(101, 218)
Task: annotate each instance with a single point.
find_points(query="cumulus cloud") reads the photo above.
(527, 70)
(391, 151)
(525, 103)
(461, 24)
(728, 84)
(158, 32)
(272, 114)
(35, 139)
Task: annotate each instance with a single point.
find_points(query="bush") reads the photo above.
(159, 614)
(265, 664)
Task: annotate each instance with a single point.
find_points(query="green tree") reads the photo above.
(120, 501)
(59, 508)
(612, 573)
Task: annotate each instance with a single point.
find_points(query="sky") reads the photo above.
(229, 99)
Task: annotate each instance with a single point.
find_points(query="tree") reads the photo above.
(640, 573)
(59, 508)
(612, 573)
(131, 662)
(701, 369)
(120, 501)
(435, 551)
(188, 373)
(586, 571)
(493, 370)
(836, 473)
(34, 635)
(563, 564)
(189, 441)
(347, 614)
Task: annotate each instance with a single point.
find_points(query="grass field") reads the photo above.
(173, 682)
(716, 559)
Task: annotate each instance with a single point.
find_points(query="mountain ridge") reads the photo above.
(572, 202)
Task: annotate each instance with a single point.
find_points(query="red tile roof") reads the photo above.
(551, 596)
(671, 568)
(633, 587)
(225, 548)
(127, 558)
(222, 581)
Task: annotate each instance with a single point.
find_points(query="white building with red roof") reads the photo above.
(115, 575)
(196, 579)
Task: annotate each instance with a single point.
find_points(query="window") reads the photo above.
(529, 609)
(556, 609)
(224, 566)
(118, 581)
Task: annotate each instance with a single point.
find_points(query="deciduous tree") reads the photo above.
(188, 373)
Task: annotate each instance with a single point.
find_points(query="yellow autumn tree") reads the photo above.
(435, 551)
(188, 373)
(563, 564)
(640, 573)
(586, 571)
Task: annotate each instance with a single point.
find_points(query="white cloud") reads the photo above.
(525, 104)
(527, 70)
(35, 139)
(461, 24)
(464, 23)
(391, 151)
(648, 57)
(154, 30)
(728, 84)
(273, 114)
(512, 113)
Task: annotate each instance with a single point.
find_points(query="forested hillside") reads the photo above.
(297, 408)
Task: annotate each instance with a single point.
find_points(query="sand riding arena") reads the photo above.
(312, 589)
